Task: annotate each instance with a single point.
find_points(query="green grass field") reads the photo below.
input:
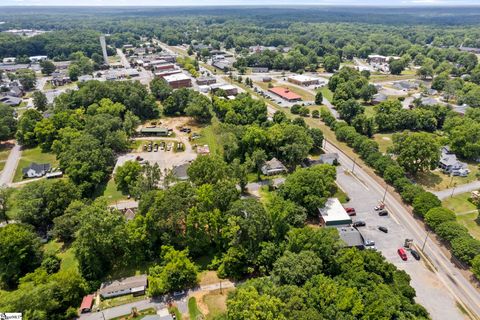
(209, 136)
(327, 94)
(33, 155)
(467, 212)
(437, 180)
(193, 310)
(384, 141)
(112, 194)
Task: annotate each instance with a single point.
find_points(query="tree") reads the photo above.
(40, 101)
(436, 216)
(66, 225)
(148, 180)
(26, 126)
(451, 230)
(319, 98)
(127, 175)
(416, 152)
(27, 78)
(258, 159)
(396, 66)
(199, 109)
(424, 202)
(106, 229)
(74, 72)
(317, 138)
(331, 63)
(466, 248)
(176, 273)
(350, 109)
(310, 187)
(207, 169)
(5, 194)
(160, 88)
(476, 266)
(47, 67)
(296, 268)
(20, 253)
(8, 124)
(247, 304)
(367, 92)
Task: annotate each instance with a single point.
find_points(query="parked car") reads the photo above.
(402, 254)
(369, 243)
(383, 229)
(138, 158)
(415, 254)
(162, 145)
(359, 224)
(169, 146)
(155, 147)
(371, 248)
(177, 294)
(351, 211)
(383, 213)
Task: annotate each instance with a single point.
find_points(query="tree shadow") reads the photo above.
(428, 179)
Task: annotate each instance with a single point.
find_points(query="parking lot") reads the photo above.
(424, 279)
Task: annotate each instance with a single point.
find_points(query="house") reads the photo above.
(59, 79)
(376, 58)
(11, 101)
(155, 131)
(303, 80)
(178, 80)
(223, 65)
(202, 81)
(180, 171)
(351, 237)
(259, 70)
(405, 85)
(329, 158)
(285, 94)
(87, 303)
(36, 170)
(451, 165)
(378, 98)
(9, 60)
(273, 167)
(37, 59)
(15, 91)
(334, 214)
(132, 285)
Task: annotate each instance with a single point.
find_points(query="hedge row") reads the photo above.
(425, 204)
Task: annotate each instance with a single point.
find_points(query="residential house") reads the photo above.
(451, 165)
(273, 167)
(10, 101)
(334, 214)
(136, 285)
(59, 79)
(36, 170)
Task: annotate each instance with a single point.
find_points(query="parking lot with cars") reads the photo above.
(364, 200)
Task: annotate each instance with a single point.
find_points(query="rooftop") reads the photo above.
(285, 93)
(302, 78)
(124, 283)
(351, 236)
(176, 77)
(333, 213)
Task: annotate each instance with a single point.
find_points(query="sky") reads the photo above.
(236, 2)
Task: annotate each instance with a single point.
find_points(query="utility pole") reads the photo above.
(385, 193)
(425, 241)
(353, 167)
(453, 190)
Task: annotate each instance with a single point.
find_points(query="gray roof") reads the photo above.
(328, 157)
(124, 283)
(10, 100)
(180, 172)
(351, 236)
(379, 97)
(274, 164)
(37, 167)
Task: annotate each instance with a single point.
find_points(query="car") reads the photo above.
(351, 211)
(401, 252)
(359, 224)
(155, 147)
(180, 293)
(162, 145)
(415, 254)
(383, 229)
(169, 146)
(369, 243)
(383, 213)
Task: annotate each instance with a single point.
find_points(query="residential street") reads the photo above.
(123, 59)
(449, 285)
(6, 176)
(468, 187)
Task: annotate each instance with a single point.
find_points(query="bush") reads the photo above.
(424, 202)
(316, 114)
(410, 192)
(466, 248)
(476, 266)
(451, 230)
(393, 173)
(438, 215)
(401, 184)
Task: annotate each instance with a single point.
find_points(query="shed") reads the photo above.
(155, 131)
(87, 303)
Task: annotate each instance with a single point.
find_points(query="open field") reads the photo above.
(216, 302)
(384, 141)
(467, 212)
(111, 193)
(33, 155)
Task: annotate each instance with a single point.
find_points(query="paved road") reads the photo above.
(450, 286)
(123, 59)
(6, 176)
(468, 187)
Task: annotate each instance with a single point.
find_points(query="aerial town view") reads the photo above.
(239, 160)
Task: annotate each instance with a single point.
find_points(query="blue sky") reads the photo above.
(235, 2)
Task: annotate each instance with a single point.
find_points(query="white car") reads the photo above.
(369, 243)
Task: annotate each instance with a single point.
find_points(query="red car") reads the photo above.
(402, 254)
(351, 211)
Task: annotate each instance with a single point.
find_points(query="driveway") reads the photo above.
(468, 187)
(6, 176)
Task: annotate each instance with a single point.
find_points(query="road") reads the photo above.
(449, 286)
(123, 59)
(6, 176)
(468, 187)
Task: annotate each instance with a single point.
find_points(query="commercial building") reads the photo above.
(334, 214)
(228, 88)
(303, 80)
(178, 80)
(285, 93)
(165, 66)
(202, 81)
(37, 59)
(155, 131)
(133, 285)
(164, 73)
(351, 237)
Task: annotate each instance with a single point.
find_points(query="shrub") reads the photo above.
(451, 230)
(393, 173)
(476, 266)
(424, 202)
(436, 216)
(466, 248)
(410, 192)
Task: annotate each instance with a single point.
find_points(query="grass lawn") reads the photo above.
(327, 94)
(341, 195)
(2, 165)
(33, 155)
(118, 301)
(467, 213)
(390, 77)
(437, 180)
(370, 111)
(176, 312)
(141, 315)
(208, 277)
(384, 141)
(5, 151)
(472, 222)
(49, 86)
(69, 261)
(216, 302)
(193, 310)
(209, 136)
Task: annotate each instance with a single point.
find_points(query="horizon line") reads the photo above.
(293, 6)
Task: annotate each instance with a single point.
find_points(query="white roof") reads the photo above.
(176, 77)
(302, 78)
(334, 211)
(227, 87)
